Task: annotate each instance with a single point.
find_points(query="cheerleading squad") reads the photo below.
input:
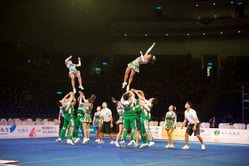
(134, 112)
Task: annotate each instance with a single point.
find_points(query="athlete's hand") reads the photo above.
(111, 125)
(140, 52)
(59, 121)
(194, 128)
(181, 127)
(78, 58)
(154, 43)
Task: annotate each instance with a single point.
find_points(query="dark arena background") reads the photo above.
(202, 56)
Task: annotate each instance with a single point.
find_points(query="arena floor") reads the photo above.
(47, 152)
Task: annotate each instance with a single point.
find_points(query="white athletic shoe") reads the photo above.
(134, 143)
(143, 145)
(167, 146)
(85, 141)
(171, 146)
(127, 87)
(151, 144)
(122, 143)
(74, 91)
(97, 140)
(69, 141)
(76, 140)
(81, 87)
(101, 142)
(203, 147)
(117, 145)
(130, 143)
(112, 142)
(185, 147)
(124, 84)
(58, 140)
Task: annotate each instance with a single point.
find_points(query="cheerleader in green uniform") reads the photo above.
(87, 120)
(79, 118)
(68, 103)
(146, 106)
(96, 123)
(128, 102)
(133, 67)
(170, 125)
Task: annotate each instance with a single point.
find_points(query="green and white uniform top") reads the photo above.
(80, 111)
(68, 110)
(146, 113)
(62, 111)
(88, 108)
(170, 119)
(96, 121)
(128, 106)
(120, 110)
(138, 109)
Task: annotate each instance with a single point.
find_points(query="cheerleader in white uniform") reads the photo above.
(73, 72)
(133, 67)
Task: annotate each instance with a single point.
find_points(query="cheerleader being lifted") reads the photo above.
(133, 67)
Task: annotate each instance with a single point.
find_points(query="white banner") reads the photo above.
(213, 135)
(26, 131)
(156, 131)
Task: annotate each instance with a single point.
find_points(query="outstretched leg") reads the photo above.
(130, 79)
(127, 71)
(72, 76)
(80, 80)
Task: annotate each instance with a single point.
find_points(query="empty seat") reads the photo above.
(10, 122)
(3, 121)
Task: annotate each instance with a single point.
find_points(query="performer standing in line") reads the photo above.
(193, 125)
(73, 72)
(96, 123)
(87, 120)
(120, 122)
(170, 125)
(133, 67)
(79, 118)
(68, 103)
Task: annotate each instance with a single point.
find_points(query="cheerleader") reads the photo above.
(170, 125)
(87, 120)
(79, 118)
(68, 103)
(96, 123)
(73, 72)
(120, 122)
(146, 106)
(133, 67)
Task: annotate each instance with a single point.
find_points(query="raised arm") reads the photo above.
(150, 48)
(79, 62)
(68, 58)
(64, 98)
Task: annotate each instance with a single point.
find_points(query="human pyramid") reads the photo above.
(134, 111)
